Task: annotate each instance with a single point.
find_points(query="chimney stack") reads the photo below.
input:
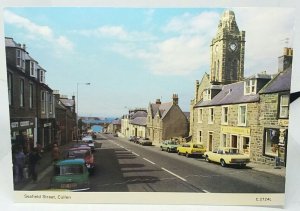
(158, 101)
(175, 99)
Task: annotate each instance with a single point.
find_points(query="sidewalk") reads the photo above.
(43, 164)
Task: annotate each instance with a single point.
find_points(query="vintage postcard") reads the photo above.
(185, 105)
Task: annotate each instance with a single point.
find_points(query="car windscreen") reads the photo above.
(173, 142)
(233, 151)
(77, 153)
(198, 146)
(68, 170)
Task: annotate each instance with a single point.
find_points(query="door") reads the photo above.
(210, 141)
(234, 141)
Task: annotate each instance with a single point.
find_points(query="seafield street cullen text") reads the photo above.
(47, 196)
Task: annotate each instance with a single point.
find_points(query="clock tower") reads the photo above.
(227, 51)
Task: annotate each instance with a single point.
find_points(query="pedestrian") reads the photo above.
(19, 163)
(55, 153)
(34, 157)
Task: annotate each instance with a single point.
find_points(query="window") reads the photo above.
(30, 95)
(50, 103)
(43, 102)
(32, 69)
(271, 141)
(242, 115)
(225, 115)
(10, 87)
(21, 92)
(206, 94)
(211, 116)
(42, 76)
(20, 59)
(284, 106)
(250, 87)
(200, 115)
(246, 145)
(200, 136)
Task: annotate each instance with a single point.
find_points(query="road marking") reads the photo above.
(205, 191)
(135, 154)
(149, 161)
(174, 174)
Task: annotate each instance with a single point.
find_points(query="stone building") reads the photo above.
(30, 98)
(114, 126)
(274, 114)
(134, 123)
(230, 117)
(166, 120)
(65, 119)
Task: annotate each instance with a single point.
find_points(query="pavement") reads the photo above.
(45, 166)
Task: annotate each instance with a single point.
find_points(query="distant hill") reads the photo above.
(97, 120)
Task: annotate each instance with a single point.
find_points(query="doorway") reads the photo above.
(234, 141)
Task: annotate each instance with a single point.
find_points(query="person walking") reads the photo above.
(55, 153)
(19, 161)
(34, 157)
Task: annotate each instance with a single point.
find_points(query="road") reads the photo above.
(123, 166)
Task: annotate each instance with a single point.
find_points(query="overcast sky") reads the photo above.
(133, 56)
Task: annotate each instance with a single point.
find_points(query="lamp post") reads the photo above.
(77, 119)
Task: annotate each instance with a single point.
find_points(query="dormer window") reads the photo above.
(20, 59)
(250, 87)
(206, 94)
(32, 69)
(42, 76)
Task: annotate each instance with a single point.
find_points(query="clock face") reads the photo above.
(233, 46)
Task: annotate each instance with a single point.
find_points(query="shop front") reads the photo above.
(237, 137)
(22, 133)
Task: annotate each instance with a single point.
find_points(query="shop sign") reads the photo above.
(236, 130)
(14, 124)
(24, 123)
(283, 122)
(47, 124)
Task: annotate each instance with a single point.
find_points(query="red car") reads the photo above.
(84, 153)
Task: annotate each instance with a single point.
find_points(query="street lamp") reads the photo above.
(77, 119)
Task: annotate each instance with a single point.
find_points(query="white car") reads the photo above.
(89, 140)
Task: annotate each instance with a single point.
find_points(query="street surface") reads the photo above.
(123, 166)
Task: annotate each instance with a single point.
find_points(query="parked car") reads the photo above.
(227, 156)
(89, 140)
(145, 142)
(191, 149)
(83, 153)
(169, 145)
(132, 138)
(70, 174)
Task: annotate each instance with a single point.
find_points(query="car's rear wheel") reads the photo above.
(222, 162)
(187, 154)
(168, 149)
(178, 152)
(207, 159)
(162, 149)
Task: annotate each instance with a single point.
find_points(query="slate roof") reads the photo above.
(67, 102)
(9, 42)
(187, 114)
(161, 108)
(281, 83)
(139, 121)
(116, 122)
(230, 94)
(139, 114)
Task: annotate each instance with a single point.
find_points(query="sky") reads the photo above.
(132, 57)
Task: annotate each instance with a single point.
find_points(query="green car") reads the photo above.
(70, 174)
(169, 145)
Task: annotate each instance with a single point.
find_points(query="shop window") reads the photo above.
(284, 106)
(246, 145)
(271, 141)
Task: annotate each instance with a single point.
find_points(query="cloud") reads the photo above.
(118, 33)
(37, 31)
(266, 31)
